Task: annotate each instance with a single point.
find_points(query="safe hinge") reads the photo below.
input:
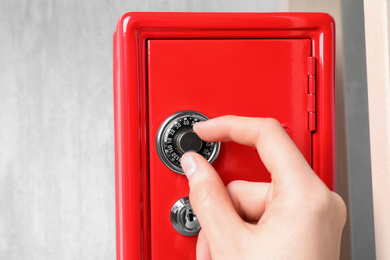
(311, 93)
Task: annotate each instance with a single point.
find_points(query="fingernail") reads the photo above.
(188, 164)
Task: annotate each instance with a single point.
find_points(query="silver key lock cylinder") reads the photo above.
(184, 219)
(176, 137)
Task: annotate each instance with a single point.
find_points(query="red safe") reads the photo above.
(172, 70)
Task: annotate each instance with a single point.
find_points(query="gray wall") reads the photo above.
(56, 114)
(357, 132)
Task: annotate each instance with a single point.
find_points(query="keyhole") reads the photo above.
(190, 215)
(190, 220)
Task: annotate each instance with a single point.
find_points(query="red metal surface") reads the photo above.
(214, 63)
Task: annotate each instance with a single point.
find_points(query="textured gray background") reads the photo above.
(56, 134)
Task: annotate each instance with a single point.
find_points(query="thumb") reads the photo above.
(210, 200)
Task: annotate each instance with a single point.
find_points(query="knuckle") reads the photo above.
(267, 127)
(340, 207)
(272, 124)
(327, 203)
(315, 200)
(229, 117)
(233, 186)
(323, 203)
(331, 208)
(233, 190)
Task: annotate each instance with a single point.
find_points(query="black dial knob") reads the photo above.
(189, 141)
(176, 137)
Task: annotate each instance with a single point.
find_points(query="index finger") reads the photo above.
(276, 149)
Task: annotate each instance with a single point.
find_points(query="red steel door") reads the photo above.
(254, 77)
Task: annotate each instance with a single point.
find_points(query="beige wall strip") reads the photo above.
(378, 76)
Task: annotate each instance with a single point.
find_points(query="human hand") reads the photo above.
(294, 217)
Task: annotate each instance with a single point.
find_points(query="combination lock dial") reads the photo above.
(176, 136)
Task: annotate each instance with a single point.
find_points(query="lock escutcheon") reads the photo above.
(183, 218)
